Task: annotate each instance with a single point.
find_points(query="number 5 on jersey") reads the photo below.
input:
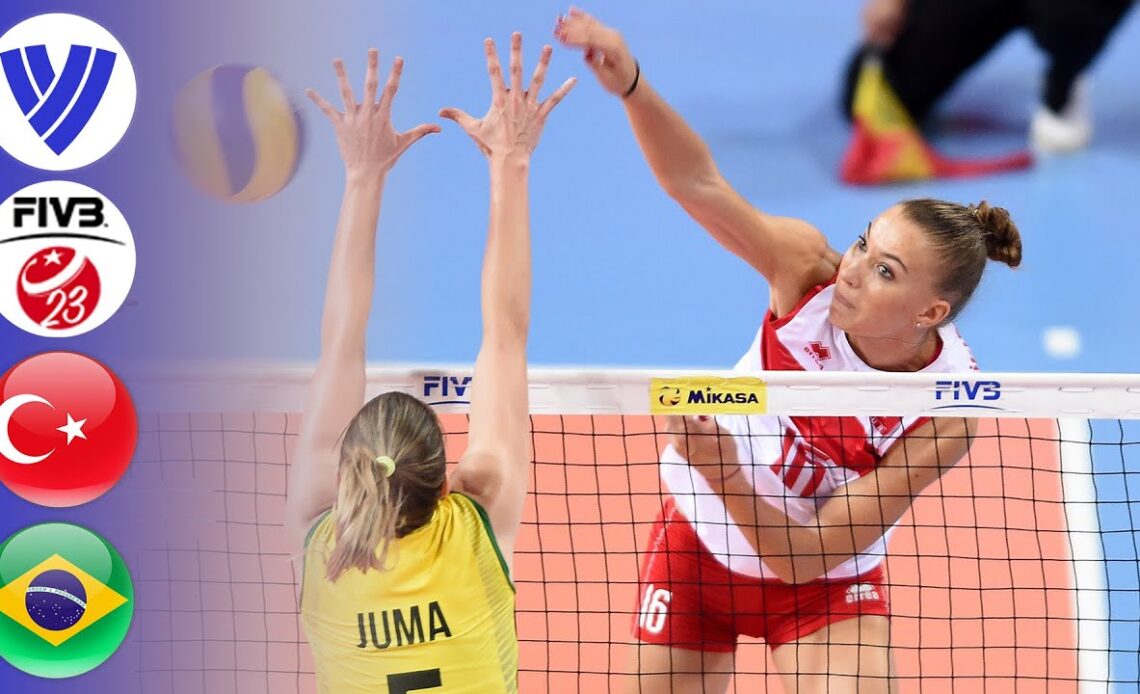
(414, 681)
(654, 609)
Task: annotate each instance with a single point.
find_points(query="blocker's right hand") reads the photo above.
(513, 124)
(604, 48)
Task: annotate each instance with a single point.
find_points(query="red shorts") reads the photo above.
(690, 600)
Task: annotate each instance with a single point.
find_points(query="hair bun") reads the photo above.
(1003, 240)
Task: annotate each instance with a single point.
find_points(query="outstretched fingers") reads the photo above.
(420, 131)
(411, 137)
(539, 76)
(557, 97)
(516, 64)
(328, 109)
(469, 124)
(495, 72)
(392, 85)
(346, 94)
(370, 79)
(461, 118)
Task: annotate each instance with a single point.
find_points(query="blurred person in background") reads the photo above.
(926, 46)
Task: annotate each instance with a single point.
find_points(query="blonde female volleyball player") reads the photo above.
(406, 584)
(783, 536)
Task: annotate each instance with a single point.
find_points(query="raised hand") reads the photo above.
(707, 446)
(604, 48)
(368, 142)
(513, 124)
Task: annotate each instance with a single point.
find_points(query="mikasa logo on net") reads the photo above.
(707, 395)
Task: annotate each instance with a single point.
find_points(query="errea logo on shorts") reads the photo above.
(859, 592)
(68, 92)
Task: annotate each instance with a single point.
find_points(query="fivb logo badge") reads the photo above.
(67, 259)
(70, 92)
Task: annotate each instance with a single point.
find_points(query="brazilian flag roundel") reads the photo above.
(66, 600)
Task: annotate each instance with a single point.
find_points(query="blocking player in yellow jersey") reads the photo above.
(406, 573)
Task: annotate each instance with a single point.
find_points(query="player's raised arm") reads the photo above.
(791, 254)
(496, 468)
(847, 523)
(369, 147)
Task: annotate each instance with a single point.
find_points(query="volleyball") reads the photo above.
(237, 134)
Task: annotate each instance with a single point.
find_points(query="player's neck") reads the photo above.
(894, 354)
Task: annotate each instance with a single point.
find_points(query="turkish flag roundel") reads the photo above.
(67, 429)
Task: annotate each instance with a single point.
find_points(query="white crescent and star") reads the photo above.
(73, 429)
(8, 450)
(58, 279)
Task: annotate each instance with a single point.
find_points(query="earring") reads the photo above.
(918, 325)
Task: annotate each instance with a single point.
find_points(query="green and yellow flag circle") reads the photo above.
(66, 600)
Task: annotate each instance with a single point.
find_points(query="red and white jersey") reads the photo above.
(799, 462)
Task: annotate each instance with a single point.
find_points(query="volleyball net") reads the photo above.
(1017, 571)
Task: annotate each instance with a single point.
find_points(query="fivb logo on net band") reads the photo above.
(70, 92)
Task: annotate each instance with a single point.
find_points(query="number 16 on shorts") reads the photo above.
(654, 609)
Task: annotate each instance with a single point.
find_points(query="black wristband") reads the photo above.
(636, 77)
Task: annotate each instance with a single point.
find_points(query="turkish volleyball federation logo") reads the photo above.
(70, 91)
(67, 259)
(66, 600)
(68, 429)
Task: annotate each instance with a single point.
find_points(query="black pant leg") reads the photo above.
(1072, 33)
(940, 41)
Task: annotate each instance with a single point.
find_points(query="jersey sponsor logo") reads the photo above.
(858, 592)
(708, 395)
(818, 352)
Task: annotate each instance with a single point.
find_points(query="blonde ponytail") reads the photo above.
(375, 506)
(366, 515)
